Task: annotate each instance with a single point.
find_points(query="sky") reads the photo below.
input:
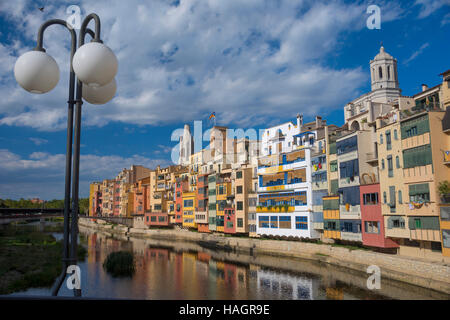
(254, 63)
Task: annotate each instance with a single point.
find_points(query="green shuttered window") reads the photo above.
(415, 127)
(330, 204)
(430, 223)
(419, 156)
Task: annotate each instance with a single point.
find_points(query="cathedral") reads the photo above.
(384, 90)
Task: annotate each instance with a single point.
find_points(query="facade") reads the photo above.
(285, 179)
(381, 180)
(189, 204)
(95, 199)
(201, 210)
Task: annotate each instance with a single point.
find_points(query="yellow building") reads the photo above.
(444, 207)
(331, 218)
(94, 204)
(189, 204)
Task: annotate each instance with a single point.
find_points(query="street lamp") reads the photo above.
(95, 67)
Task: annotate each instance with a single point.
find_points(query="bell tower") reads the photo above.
(383, 71)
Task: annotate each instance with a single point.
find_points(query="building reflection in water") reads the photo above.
(179, 272)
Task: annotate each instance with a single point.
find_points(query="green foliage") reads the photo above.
(120, 264)
(444, 187)
(51, 204)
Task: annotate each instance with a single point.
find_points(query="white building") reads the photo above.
(284, 173)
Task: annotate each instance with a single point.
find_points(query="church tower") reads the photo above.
(383, 71)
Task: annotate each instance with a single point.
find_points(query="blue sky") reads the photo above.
(253, 63)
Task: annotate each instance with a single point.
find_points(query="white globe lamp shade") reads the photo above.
(36, 72)
(100, 95)
(95, 64)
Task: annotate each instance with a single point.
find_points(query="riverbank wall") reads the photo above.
(431, 275)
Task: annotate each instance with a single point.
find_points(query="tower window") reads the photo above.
(389, 72)
(380, 72)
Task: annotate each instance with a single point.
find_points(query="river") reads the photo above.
(183, 270)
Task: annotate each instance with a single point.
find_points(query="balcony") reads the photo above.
(351, 236)
(262, 209)
(317, 225)
(371, 157)
(397, 233)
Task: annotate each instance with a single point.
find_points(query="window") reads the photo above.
(382, 164)
(240, 222)
(178, 207)
(333, 166)
(239, 189)
(370, 198)
(445, 213)
(395, 134)
(397, 162)
(390, 167)
(392, 203)
(418, 156)
(415, 127)
(400, 198)
(381, 138)
(285, 222)
(274, 222)
(188, 203)
(349, 169)
(384, 197)
(419, 192)
(153, 218)
(388, 140)
(389, 72)
(446, 238)
(396, 222)
(252, 202)
(238, 174)
(301, 223)
(372, 227)
(380, 73)
(347, 145)
(157, 207)
(436, 246)
(418, 223)
(240, 205)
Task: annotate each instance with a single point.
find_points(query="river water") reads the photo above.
(183, 270)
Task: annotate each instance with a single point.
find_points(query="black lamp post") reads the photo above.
(95, 65)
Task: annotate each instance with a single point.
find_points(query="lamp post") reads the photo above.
(95, 67)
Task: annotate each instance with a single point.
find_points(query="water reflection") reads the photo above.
(182, 270)
(187, 271)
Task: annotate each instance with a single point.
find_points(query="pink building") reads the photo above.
(372, 221)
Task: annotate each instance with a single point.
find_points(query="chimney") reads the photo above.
(424, 87)
(318, 121)
(299, 122)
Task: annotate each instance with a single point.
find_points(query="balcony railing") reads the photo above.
(260, 209)
(280, 182)
(371, 157)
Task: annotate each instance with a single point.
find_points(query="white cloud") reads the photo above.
(38, 141)
(247, 61)
(42, 174)
(417, 53)
(428, 7)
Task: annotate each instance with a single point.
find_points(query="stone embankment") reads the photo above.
(432, 275)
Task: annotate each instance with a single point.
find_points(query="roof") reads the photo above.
(383, 55)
